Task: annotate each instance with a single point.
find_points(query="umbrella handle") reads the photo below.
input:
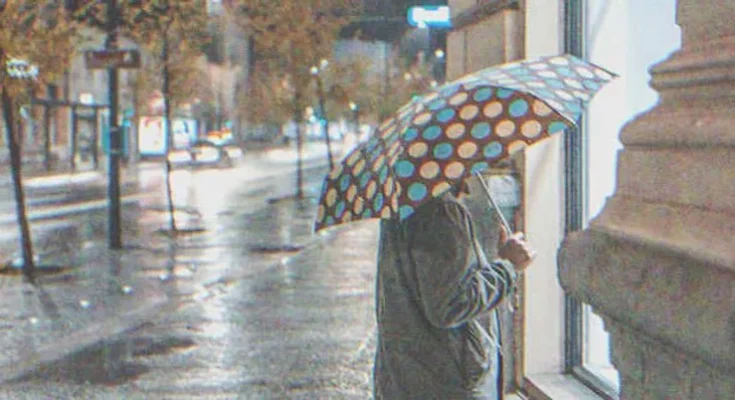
(506, 226)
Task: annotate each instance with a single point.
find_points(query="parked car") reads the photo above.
(205, 153)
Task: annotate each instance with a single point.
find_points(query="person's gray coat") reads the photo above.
(434, 285)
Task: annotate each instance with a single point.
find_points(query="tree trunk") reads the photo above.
(29, 267)
(299, 146)
(169, 133)
(323, 108)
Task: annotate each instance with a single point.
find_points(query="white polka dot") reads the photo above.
(418, 150)
(531, 129)
(573, 83)
(581, 95)
(548, 74)
(456, 131)
(604, 75)
(555, 105)
(584, 72)
(422, 119)
(458, 99)
(559, 61)
(429, 170)
(493, 109)
(541, 109)
(468, 112)
(538, 66)
(507, 81)
(563, 94)
(505, 128)
(536, 84)
(454, 170)
(467, 150)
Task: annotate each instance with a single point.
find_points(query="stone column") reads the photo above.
(659, 262)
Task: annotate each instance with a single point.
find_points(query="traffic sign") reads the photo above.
(103, 59)
(430, 16)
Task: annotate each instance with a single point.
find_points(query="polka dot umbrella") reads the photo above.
(460, 128)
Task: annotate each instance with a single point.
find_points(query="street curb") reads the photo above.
(90, 335)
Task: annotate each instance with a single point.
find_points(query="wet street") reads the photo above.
(245, 303)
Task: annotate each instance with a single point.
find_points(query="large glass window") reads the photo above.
(626, 37)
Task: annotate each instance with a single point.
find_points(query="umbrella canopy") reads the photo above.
(461, 128)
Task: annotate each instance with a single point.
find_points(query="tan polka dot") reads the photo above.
(505, 128)
(321, 213)
(531, 129)
(440, 188)
(331, 197)
(352, 159)
(399, 189)
(387, 123)
(516, 146)
(388, 131)
(347, 217)
(467, 150)
(370, 191)
(429, 170)
(359, 167)
(418, 150)
(458, 99)
(386, 213)
(429, 98)
(541, 109)
(394, 202)
(389, 186)
(351, 193)
(336, 172)
(455, 131)
(493, 109)
(422, 119)
(454, 170)
(379, 163)
(394, 148)
(468, 112)
(359, 206)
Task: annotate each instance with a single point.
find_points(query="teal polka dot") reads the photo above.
(492, 150)
(483, 94)
(437, 104)
(520, 71)
(404, 169)
(405, 212)
(383, 174)
(364, 180)
(340, 209)
(591, 85)
(368, 213)
(481, 130)
(417, 191)
(556, 84)
(480, 166)
(544, 93)
(442, 151)
(410, 134)
(504, 93)
(574, 107)
(432, 132)
(556, 127)
(329, 220)
(449, 90)
(445, 115)
(564, 71)
(344, 183)
(378, 202)
(518, 108)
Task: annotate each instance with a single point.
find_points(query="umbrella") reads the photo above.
(458, 129)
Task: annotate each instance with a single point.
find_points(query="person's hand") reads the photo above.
(515, 250)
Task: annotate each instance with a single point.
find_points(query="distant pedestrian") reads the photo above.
(434, 284)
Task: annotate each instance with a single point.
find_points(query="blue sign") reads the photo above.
(430, 16)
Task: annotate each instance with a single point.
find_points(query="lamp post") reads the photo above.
(320, 96)
(356, 117)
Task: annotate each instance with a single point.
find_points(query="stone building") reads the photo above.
(631, 295)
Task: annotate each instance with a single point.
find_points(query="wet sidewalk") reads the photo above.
(256, 306)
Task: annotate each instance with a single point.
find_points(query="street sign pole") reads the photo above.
(113, 189)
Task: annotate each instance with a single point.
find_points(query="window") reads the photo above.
(626, 37)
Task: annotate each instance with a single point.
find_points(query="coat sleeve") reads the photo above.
(453, 287)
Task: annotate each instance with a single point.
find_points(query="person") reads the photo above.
(434, 285)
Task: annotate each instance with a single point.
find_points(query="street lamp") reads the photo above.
(356, 116)
(322, 108)
(439, 53)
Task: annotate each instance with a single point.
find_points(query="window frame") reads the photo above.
(576, 178)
